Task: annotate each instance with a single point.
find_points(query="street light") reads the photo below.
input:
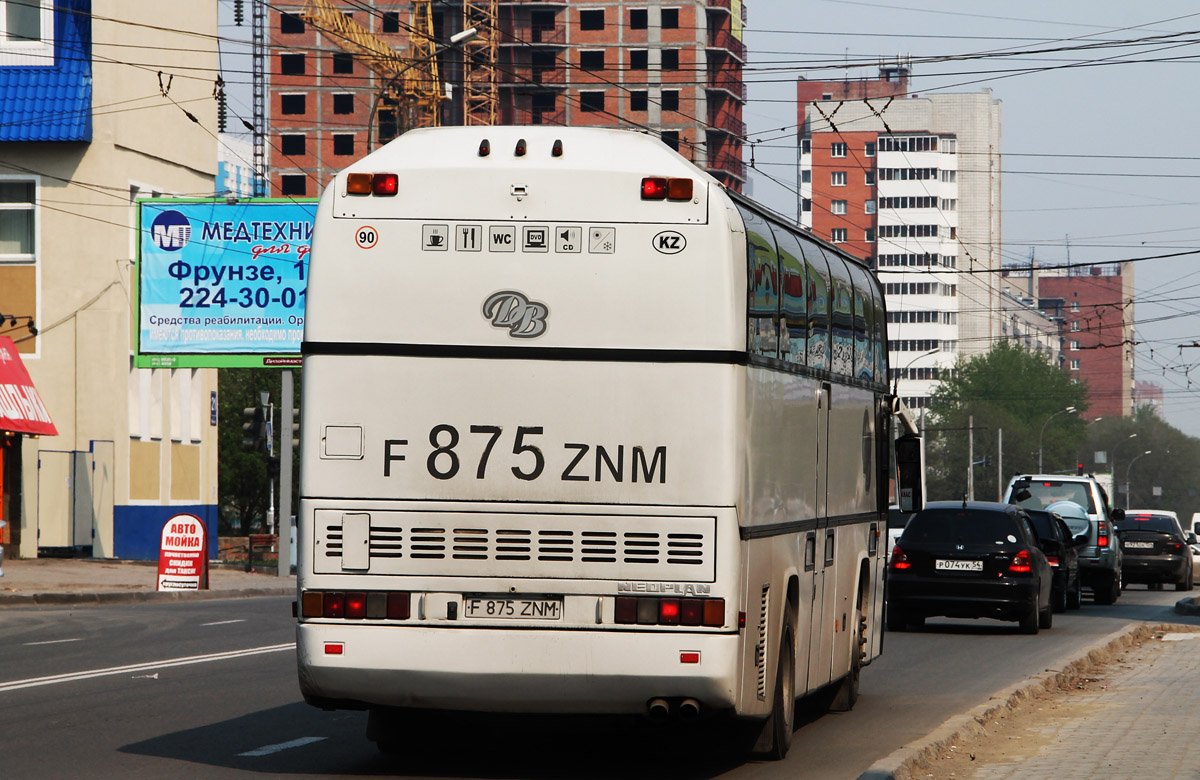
(469, 34)
(1068, 410)
(1127, 469)
(896, 384)
(1113, 466)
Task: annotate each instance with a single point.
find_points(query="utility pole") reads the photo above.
(285, 474)
(999, 464)
(971, 458)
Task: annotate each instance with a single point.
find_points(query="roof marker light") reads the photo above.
(556, 150)
(485, 148)
(520, 150)
(385, 184)
(358, 183)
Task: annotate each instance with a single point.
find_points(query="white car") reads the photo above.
(1195, 563)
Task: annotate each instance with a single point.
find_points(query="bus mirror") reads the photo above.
(910, 473)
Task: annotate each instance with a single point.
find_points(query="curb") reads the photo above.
(56, 599)
(900, 763)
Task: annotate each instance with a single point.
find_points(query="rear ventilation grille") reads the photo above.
(610, 547)
(760, 647)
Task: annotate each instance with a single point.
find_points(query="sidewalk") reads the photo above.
(43, 581)
(1126, 708)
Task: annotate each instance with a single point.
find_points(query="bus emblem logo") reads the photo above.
(525, 319)
(669, 242)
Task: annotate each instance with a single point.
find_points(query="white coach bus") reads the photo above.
(583, 432)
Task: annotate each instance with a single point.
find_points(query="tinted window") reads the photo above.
(762, 267)
(864, 323)
(843, 316)
(794, 325)
(1044, 492)
(1044, 524)
(1147, 523)
(818, 304)
(965, 526)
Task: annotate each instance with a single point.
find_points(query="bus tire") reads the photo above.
(846, 695)
(775, 737)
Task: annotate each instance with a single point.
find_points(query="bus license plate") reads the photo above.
(944, 565)
(513, 609)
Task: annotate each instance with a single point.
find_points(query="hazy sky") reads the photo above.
(1099, 128)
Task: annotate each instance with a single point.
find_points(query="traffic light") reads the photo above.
(1079, 469)
(254, 430)
(273, 467)
(987, 461)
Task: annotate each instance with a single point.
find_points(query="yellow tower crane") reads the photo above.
(409, 83)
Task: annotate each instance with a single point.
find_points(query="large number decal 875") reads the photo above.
(443, 462)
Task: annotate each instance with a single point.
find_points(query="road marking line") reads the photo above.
(186, 661)
(53, 642)
(269, 749)
(224, 622)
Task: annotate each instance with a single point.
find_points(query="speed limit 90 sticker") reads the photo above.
(366, 237)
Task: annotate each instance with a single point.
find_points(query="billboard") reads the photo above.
(222, 284)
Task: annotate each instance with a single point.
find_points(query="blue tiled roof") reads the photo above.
(53, 102)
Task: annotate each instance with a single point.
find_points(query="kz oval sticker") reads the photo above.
(669, 242)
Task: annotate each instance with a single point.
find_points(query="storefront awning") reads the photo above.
(21, 408)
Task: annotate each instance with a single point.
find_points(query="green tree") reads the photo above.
(1007, 394)
(243, 479)
(1173, 465)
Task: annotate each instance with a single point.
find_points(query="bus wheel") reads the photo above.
(847, 691)
(775, 736)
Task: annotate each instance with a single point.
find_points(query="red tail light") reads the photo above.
(385, 184)
(1052, 560)
(650, 610)
(356, 605)
(1176, 547)
(1022, 563)
(654, 188)
(668, 612)
(1102, 541)
(899, 559)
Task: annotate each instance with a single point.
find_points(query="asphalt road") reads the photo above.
(208, 690)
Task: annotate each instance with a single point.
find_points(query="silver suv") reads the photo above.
(1100, 558)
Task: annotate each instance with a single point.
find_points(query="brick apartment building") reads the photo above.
(912, 184)
(1096, 305)
(673, 67)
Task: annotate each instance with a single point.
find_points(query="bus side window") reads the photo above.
(818, 304)
(879, 334)
(864, 319)
(843, 316)
(762, 308)
(794, 327)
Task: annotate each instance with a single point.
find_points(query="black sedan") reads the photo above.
(1059, 545)
(1156, 549)
(969, 559)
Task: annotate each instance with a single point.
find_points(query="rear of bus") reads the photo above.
(522, 389)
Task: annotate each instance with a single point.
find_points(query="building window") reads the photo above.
(869, 178)
(670, 18)
(869, 149)
(592, 59)
(1075, 365)
(838, 235)
(343, 144)
(869, 207)
(806, 204)
(837, 179)
(17, 220)
(591, 101)
(837, 207)
(391, 21)
(948, 145)
(639, 59)
(1074, 346)
(805, 146)
(826, 96)
(1074, 326)
(291, 64)
(343, 103)
(806, 176)
(292, 104)
(292, 145)
(639, 100)
(869, 235)
(949, 177)
(343, 63)
(837, 149)
(671, 139)
(290, 24)
(670, 59)
(591, 20)
(1074, 305)
(638, 18)
(295, 184)
(670, 100)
